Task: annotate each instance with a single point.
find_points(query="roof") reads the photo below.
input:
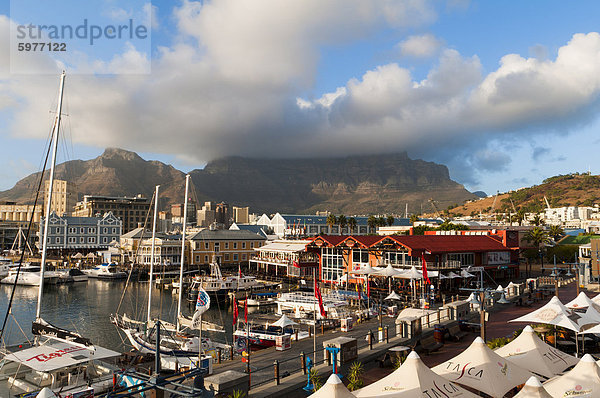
(285, 246)
(137, 234)
(291, 219)
(257, 229)
(226, 234)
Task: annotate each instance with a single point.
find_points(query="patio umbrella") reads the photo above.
(552, 313)
(393, 296)
(442, 276)
(481, 368)
(499, 288)
(581, 381)
(533, 389)
(528, 351)
(46, 393)
(582, 301)
(465, 274)
(413, 379)
(333, 388)
(389, 272)
(78, 255)
(413, 275)
(283, 322)
(367, 270)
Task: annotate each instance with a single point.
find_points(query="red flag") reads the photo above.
(424, 269)
(320, 300)
(246, 310)
(235, 311)
(239, 270)
(368, 289)
(358, 289)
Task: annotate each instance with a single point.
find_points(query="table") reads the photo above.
(399, 352)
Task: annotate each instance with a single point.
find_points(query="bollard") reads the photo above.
(387, 335)
(309, 332)
(322, 328)
(303, 359)
(328, 357)
(370, 340)
(276, 369)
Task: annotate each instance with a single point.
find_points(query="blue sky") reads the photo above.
(503, 93)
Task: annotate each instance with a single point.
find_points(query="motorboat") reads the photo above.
(259, 299)
(106, 271)
(264, 336)
(302, 304)
(29, 275)
(71, 275)
(218, 286)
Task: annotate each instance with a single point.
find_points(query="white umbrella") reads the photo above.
(411, 274)
(581, 381)
(393, 296)
(343, 278)
(481, 368)
(552, 313)
(367, 270)
(533, 389)
(333, 388)
(388, 272)
(582, 301)
(46, 393)
(596, 299)
(442, 276)
(499, 288)
(465, 274)
(528, 351)
(453, 275)
(474, 299)
(503, 300)
(413, 379)
(283, 322)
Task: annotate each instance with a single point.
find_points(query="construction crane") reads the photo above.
(547, 203)
(435, 209)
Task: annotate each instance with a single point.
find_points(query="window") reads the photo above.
(251, 245)
(216, 247)
(235, 257)
(206, 259)
(464, 258)
(104, 230)
(91, 239)
(57, 240)
(243, 245)
(82, 240)
(92, 230)
(197, 259)
(360, 256)
(206, 246)
(82, 230)
(114, 230)
(333, 264)
(244, 257)
(226, 245)
(235, 245)
(226, 257)
(105, 240)
(72, 239)
(72, 230)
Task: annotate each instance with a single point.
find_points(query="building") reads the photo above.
(206, 216)
(284, 225)
(10, 211)
(81, 233)
(228, 246)
(177, 210)
(64, 197)
(341, 254)
(167, 250)
(286, 257)
(223, 215)
(132, 211)
(10, 239)
(241, 215)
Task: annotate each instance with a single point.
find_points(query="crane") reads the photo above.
(435, 209)
(547, 203)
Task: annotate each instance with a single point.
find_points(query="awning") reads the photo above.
(58, 355)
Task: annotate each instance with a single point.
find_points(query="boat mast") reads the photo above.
(50, 184)
(185, 206)
(152, 253)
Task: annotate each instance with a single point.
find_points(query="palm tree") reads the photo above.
(372, 222)
(390, 220)
(331, 220)
(537, 220)
(520, 216)
(381, 221)
(342, 221)
(556, 232)
(538, 236)
(352, 224)
(414, 218)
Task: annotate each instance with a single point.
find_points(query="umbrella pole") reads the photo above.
(577, 344)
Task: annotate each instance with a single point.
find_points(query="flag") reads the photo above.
(320, 300)
(239, 270)
(202, 304)
(358, 289)
(246, 310)
(368, 288)
(424, 270)
(235, 311)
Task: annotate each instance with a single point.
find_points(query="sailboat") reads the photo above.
(174, 343)
(59, 359)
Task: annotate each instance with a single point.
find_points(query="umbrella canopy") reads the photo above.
(596, 299)
(412, 273)
(552, 313)
(78, 255)
(481, 368)
(533, 389)
(465, 274)
(453, 275)
(530, 352)
(581, 381)
(582, 301)
(499, 288)
(413, 379)
(367, 270)
(333, 388)
(442, 276)
(90, 255)
(473, 298)
(389, 271)
(46, 393)
(393, 296)
(343, 278)
(283, 322)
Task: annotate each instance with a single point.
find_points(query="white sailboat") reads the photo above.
(60, 360)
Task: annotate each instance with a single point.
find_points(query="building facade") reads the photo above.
(228, 246)
(286, 257)
(64, 197)
(131, 211)
(10, 211)
(81, 233)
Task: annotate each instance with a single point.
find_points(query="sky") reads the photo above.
(503, 93)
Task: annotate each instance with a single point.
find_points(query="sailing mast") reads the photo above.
(152, 253)
(50, 186)
(185, 206)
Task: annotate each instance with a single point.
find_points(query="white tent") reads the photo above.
(393, 296)
(465, 274)
(333, 388)
(481, 368)
(533, 389)
(46, 393)
(582, 301)
(596, 299)
(581, 381)
(442, 276)
(411, 274)
(530, 352)
(552, 313)
(499, 288)
(283, 322)
(453, 275)
(367, 270)
(389, 271)
(413, 379)
(474, 299)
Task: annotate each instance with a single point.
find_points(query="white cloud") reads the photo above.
(423, 46)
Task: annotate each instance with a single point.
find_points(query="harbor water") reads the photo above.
(85, 307)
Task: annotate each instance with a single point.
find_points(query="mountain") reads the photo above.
(562, 190)
(351, 185)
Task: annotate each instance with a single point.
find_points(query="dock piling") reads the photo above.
(276, 370)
